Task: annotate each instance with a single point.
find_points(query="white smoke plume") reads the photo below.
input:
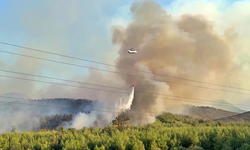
(102, 113)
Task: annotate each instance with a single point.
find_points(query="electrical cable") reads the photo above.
(119, 110)
(60, 84)
(34, 57)
(139, 92)
(72, 57)
(34, 75)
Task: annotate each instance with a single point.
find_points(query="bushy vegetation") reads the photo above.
(51, 122)
(167, 132)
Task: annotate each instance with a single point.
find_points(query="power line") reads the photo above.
(39, 101)
(196, 99)
(15, 102)
(34, 75)
(110, 91)
(53, 106)
(119, 72)
(139, 92)
(72, 57)
(61, 84)
(29, 100)
(119, 110)
(85, 112)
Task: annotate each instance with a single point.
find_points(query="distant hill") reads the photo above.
(27, 114)
(244, 117)
(14, 95)
(44, 107)
(203, 112)
(224, 105)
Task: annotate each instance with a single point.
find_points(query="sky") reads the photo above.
(83, 28)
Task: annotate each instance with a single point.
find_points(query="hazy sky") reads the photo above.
(82, 29)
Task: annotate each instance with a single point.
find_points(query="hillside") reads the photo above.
(224, 105)
(244, 117)
(47, 106)
(26, 115)
(203, 112)
(12, 95)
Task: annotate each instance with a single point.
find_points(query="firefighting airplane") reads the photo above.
(132, 51)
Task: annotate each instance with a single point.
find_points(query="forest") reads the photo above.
(173, 132)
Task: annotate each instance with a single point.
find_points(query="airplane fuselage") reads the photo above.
(132, 52)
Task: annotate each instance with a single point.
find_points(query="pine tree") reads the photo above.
(13, 129)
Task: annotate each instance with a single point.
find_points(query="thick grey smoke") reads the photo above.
(187, 47)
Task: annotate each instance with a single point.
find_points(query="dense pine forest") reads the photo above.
(169, 131)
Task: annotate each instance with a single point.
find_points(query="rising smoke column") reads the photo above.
(186, 47)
